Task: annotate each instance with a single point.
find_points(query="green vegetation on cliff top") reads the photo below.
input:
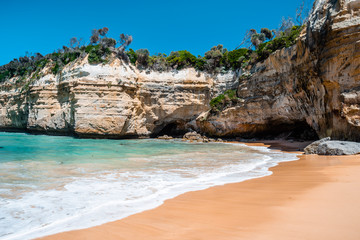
(102, 50)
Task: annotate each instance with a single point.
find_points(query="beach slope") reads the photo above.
(315, 197)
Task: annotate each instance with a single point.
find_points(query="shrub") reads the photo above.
(41, 63)
(22, 67)
(97, 54)
(132, 56)
(214, 58)
(90, 48)
(4, 75)
(236, 57)
(181, 59)
(108, 42)
(200, 63)
(69, 57)
(221, 101)
(284, 40)
(215, 103)
(158, 62)
(60, 59)
(55, 70)
(142, 57)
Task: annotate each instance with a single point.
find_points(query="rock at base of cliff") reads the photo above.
(165, 137)
(196, 137)
(192, 136)
(327, 147)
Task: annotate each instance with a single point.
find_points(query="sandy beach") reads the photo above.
(316, 197)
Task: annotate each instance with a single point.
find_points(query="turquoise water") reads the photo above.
(50, 184)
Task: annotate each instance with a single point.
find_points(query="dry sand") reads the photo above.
(316, 197)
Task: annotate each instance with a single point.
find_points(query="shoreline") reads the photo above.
(304, 199)
(139, 137)
(116, 205)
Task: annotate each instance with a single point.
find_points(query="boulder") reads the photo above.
(313, 147)
(193, 136)
(327, 147)
(339, 148)
(165, 137)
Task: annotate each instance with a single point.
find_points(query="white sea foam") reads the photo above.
(91, 197)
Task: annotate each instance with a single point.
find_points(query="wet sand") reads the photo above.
(316, 197)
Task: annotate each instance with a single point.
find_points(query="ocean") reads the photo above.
(51, 184)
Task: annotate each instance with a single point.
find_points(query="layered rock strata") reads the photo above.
(115, 100)
(315, 83)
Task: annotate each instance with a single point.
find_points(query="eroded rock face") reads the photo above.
(115, 100)
(316, 82)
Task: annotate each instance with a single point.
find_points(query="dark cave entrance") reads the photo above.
(174, 129)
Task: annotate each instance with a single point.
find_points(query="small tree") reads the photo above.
(94, 36)
(181, 59)
(142, 57)
(103, 31)
(257, 38)
(125, 40)
(213, 57)
(252, 38)
(108, 42)
(267, 33)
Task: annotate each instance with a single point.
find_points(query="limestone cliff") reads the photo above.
(114, 100)
(313, 84)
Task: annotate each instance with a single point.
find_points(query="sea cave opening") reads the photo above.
(173, 129)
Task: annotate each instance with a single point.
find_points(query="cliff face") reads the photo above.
(114, 100)
(311, 85)
(315, 83)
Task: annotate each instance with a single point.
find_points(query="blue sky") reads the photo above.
(160, 26)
